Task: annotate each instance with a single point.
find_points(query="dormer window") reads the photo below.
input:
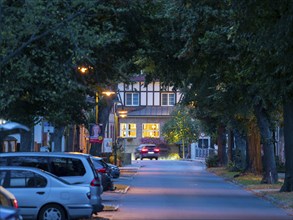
(168, 99)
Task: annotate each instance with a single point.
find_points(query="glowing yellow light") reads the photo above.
(122, 115)
(108, 93)
(83, 69)
(122, 112)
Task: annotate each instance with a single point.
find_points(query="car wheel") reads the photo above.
(156, 158)
(53, 211)
(141, 158)
(151, 158)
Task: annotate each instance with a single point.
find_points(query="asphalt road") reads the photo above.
(184, 190)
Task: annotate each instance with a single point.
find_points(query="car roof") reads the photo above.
(97, 158)
(49, 154)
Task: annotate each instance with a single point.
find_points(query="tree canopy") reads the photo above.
(231, 59)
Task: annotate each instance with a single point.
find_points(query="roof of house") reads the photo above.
(152, 111)
(141, 78)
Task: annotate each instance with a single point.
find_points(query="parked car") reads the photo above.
(42, 195)
(114, 170)
(72, 167)
(8, 206)
(102, 168)
(150, 151)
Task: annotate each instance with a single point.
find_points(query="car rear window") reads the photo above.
(150, 147)
(38, 162)
(59, 166)
(62, 166)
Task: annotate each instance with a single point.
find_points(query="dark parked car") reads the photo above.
(150, 151)
(103, 169)
(114, 170)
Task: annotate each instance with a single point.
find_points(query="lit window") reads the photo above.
(132, 99)
(127, 130)
(168, 99)
(150, 130)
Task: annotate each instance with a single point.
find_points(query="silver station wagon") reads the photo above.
(72, 167)
(42, 195)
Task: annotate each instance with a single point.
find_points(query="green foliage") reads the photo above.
(173, 156)
(232, 167)
(212, 161)
(181, 127)
(44, 42)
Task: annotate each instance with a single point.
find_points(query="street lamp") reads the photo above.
(97, 129)
(99, 125)
(84, 69)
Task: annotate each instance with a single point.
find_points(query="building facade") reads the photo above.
(148, 108)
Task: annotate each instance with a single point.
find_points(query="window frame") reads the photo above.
(132, 99)
(128, 130)
(168, 94)
(151, 130)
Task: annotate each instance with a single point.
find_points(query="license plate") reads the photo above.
(151, 152)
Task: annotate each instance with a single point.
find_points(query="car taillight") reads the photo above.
(15, 203)
(156, 150)
(95, 182)
(144, 150)
(102, 170)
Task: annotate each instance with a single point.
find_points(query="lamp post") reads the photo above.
(101, 119)
(101, 111)
(118, 114)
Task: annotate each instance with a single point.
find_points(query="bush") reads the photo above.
(232, 167)
(212, 161)
(173, 156)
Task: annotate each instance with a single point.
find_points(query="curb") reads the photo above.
(108, 208)
(120, 188)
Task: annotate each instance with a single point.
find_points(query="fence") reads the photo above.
(204, 152)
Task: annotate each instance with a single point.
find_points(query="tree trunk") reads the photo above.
(183, 149)
(77, 139)
(1, 142)
(26, 140)
(288, 128)
(270, 174)
(221, 141)
(230, 145)
(240, 151)
(57, 138)
(70, 138)
(254, 159)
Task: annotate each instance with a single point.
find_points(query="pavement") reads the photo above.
(111, 199)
